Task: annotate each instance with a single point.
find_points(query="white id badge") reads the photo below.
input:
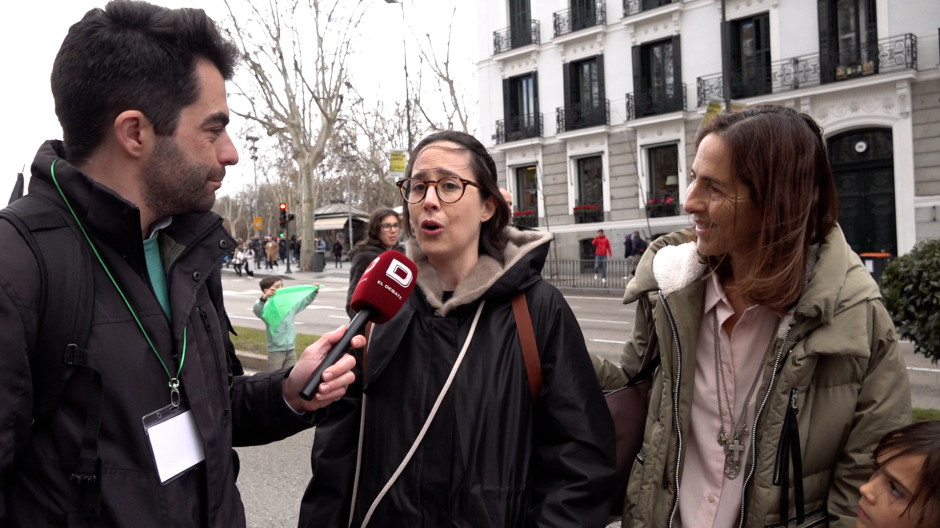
(174, 440)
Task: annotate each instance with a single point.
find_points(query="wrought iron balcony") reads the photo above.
(516, 37)
(711, 86)
(645, 104)
(569, 20)
(582, 116)
(635, 7)
(519, 127)
(662, 204)
(588, 213)
(894, 54)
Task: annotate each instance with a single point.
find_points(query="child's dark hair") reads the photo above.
(268, 281)
(921, 438)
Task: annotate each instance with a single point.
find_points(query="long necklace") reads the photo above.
(733, 445)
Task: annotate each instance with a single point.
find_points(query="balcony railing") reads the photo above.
(894, 54)
(578, 116)
(525, 218)
(645, 104)
(792, 73)
(588, 213)
(662, 204)
(569, 20)
(711, 86)
(635, 7)
(516, 37)
(519, 127)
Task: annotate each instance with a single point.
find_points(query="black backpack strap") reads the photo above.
(63, 260)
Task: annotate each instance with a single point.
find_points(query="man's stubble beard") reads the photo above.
(175, 185)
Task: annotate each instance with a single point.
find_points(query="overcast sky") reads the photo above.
(31, 32)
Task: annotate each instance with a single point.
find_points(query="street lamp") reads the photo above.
(347, 158)
(407, 90)
(254, 194)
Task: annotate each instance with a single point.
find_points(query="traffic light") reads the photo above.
(283, 219)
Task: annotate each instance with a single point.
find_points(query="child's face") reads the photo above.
(888, 492)
(277, 285)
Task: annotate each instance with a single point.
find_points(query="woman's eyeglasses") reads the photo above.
(391, 227)
(449, 189)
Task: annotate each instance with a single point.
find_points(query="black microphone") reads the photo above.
(381, 292)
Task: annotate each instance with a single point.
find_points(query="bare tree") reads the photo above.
(291, 96)
(452, 100)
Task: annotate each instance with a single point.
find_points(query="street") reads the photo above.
(273, 477)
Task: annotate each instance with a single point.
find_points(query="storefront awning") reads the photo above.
(328, 224)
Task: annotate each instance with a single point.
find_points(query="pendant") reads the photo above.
(733, 451)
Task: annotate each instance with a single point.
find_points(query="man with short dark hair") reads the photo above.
(140, 93)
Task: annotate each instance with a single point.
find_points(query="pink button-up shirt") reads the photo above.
(706, 496)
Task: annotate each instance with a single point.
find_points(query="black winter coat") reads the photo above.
(35, 461)
(490, 458)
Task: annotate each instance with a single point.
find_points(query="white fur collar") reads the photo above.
(675, 267)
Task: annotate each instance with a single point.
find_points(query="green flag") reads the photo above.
(286, 302)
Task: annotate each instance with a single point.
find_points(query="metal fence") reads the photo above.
(580, 274)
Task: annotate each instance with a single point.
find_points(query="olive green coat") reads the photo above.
(835, 357)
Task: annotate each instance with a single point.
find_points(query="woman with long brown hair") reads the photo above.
(779, 369)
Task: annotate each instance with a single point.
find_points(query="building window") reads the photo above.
(585, 103)
(520, 109)
(750, 56)
(590, 200)
(520, 22)
(527, 197)
(848, 39)
(583, 14)
(657, 78)
(663, 163)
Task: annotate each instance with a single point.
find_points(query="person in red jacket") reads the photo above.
(601, 252)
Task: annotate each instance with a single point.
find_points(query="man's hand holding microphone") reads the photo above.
(323, 371)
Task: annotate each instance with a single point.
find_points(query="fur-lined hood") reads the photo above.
(521, 265)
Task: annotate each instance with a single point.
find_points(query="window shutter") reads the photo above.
(536, 118)
(677, 73)
(826, 48)
(871, 28)
(507, 100)
(638, 84)
(599, 60)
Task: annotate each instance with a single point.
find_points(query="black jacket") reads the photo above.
(35, 460)
(491, 458)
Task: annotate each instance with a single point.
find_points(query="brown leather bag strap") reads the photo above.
(530, 351)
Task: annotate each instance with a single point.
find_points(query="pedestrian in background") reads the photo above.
(450, 433)
(780, 369)
(384, 228)
(601, 252)
(337, 254)
(150, 404)
(635, 246)
(271, 252)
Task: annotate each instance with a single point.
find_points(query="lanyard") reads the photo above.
(174, 383)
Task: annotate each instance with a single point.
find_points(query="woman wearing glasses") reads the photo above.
(451, 434)
(384, 227)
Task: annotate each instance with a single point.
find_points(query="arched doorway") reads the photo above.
(863, 167)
